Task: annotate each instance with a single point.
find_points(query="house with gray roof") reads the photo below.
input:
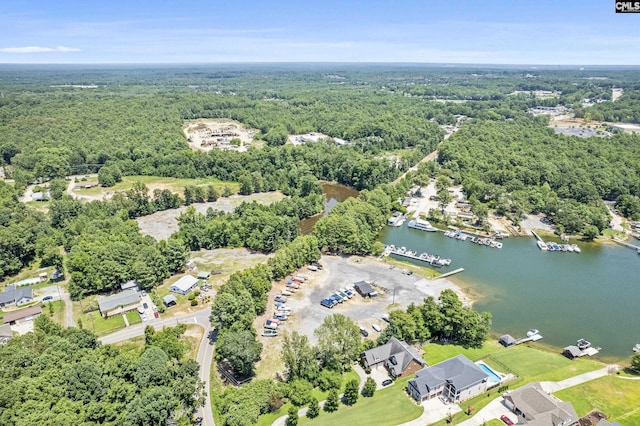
(365, 289)
(572, 352)
(18, 296)
(507, 340)
(184, 285)
(397, 357)
(457, 379)
(537, 408)
(119, 303)
(5, 334)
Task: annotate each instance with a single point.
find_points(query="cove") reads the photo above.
(594, 294)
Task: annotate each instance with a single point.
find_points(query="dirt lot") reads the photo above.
(205, 135)
(308, 314)
(162, 224)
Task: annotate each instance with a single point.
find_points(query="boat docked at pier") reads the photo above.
(432, 259)
(395, 219)
(422, 225)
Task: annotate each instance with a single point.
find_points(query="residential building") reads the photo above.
(130, 285)
(184, 285)
(456, 379)
(18, 296)
(537, 408)
(5, 334)
(397, 357)
(23, 315)
(119, 303)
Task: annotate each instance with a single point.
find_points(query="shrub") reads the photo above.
(194, 302)
(369, 387)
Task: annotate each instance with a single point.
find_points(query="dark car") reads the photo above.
(144, 305)
(387, 382)
(328, 303)
(364, 332)
(506, 420)
(44, 299)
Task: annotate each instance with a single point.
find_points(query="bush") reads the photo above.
(194, 302)
(292, 418)
(329, 379)
(299, 392)
(191, 296)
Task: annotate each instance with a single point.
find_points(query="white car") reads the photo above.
(376, 327)
(144, 317)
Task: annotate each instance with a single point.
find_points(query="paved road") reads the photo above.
(205, 351)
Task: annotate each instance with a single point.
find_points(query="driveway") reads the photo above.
(434, 411)
(379, 374)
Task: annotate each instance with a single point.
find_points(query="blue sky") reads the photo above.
(167, 31)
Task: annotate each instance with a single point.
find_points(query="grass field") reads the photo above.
(58, 312)
(93, 321)
(133, 317)
(389, 406)
(268, 419)
(616, 397)
(153, 182)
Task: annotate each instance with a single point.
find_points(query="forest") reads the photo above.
(130, 124)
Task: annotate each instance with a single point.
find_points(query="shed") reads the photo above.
(203, 275)
(507, 340)
(184, 285)
(169, 300)
(365, 289)
(130, 285)
(572, 352)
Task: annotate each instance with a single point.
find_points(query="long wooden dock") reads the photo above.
(622, 243)
(448, 274)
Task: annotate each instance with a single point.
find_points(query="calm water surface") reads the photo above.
(333, 193)
(594, 294)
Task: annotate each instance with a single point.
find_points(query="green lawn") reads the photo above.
(172, 184)
(617, 398)
(269, 418)
(133, 317)
(389, 406)
(93, 321)
(58, 315)
(435, 353)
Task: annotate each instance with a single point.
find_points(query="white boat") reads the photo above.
(422, 225)
(636, 348)
(583, 344)
(532, 332)
(575, 248)
(394, 219)
(498, 244)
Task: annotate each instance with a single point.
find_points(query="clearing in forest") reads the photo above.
(222, 134)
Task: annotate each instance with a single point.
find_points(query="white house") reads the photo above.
(16, 296)
(184, 285)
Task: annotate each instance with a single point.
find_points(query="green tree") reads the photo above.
(635, 361)
(212, 194)
(332, 402)
(299, 357)
(314, 408)
(369, 387)
(299, 392)
(590, 233)
(154, 407)
(153, 368)
(292, 417)
(351, 392)
(338, 341)
(240, 349)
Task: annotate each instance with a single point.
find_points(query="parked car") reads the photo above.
(144, 305)
(506, 420)
(328, 303)
(280, 317)
(144, 317)
(336, 298)
(286, 293)
(376, 327)
(143, 293)
(279, 304)
(348, 292)
(385, 318)
(156, 314)
(291, 284)
(364, 332)
(317, 265)
(155, 308)
(44, 299)
(387, 382)
(267, 332)
(271, 325)
(283, 309)
(274, 320)
(140, 310)
(343, 295)
(312, 268)
(300, 278)
(280, 298)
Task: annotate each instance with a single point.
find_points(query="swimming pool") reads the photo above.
(493, 377)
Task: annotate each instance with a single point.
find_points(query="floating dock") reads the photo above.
(448, 274)
(431, 259)
(533, 338)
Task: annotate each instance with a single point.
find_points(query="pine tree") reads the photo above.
(351, 392)
(331, 404)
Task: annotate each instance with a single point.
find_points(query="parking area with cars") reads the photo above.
(304, 299)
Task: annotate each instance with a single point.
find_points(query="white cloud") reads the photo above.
(38, 49)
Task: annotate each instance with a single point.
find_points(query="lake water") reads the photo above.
(594, 294)
(333, 193)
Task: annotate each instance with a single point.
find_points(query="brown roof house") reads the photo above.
(23, 315)
(537, 408)
(397, 357)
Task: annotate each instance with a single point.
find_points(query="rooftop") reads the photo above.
(22, 313)
(123, 298)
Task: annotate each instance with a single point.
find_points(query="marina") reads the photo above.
(432, 259)
(551, 246)
(422, 225)
(560, 295)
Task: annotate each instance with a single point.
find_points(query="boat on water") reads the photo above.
(575, 247)
(498, 244)
(395, 219)
(583, 344)
(636, 348)
(422, 225)
(532, 332)
(541, 245)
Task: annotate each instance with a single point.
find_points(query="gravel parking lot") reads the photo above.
(339, 272)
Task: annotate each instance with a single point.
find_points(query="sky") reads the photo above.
(549, 32)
